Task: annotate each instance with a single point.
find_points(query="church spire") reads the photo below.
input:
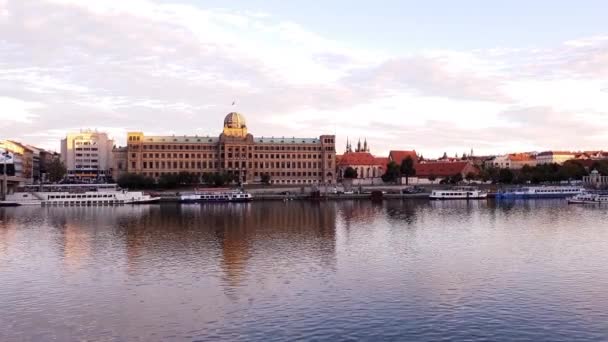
(359, 145)
(365, 148)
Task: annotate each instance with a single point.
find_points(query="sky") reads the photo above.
(435, 76)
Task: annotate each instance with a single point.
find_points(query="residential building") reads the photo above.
(513, 161)
(554, 157)
(287, 160)
(87, 155)
(23, 160)
(119, 162)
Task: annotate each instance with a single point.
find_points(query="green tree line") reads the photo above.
(171, 181)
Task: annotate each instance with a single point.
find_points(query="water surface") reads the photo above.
(270, 271)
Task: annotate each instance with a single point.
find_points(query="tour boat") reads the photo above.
(589, 198)
(211, 195)
(462, 193)
(76, 195)
(541, 192)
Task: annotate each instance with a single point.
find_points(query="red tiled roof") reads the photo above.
(382, 161)
(357, 158)
(439, 169)
(398, 156)
(521, 157)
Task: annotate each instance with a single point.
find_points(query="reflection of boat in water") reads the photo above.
(541, 192)
(217, 195)
(76, 194)
(589, 198)
(458, 193)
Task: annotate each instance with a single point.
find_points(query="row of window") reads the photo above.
(274, 181)
(86, 167)
(81, 196)
(229, 164)
(229, 155)
(231, 148)
(86, 149)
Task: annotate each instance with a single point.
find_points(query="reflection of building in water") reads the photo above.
(266, 228)
(358, 211)
(232, 233)
(76, 244)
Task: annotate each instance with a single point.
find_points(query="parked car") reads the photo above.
(412, 190)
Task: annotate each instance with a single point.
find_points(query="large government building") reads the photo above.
(285, 160)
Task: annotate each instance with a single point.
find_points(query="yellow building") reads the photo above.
(235, 151)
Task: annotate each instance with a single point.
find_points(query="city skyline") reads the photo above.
(413, 80)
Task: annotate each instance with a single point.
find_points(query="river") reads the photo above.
(274, 271)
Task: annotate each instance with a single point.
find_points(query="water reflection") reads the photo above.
(406, 270)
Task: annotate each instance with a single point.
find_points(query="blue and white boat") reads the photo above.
(541, 192)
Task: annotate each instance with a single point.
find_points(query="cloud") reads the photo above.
(176, 68)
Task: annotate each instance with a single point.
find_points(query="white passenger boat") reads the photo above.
(458, 193)
(589, 198)
(76, 195)
(214, 195)
(541, 192)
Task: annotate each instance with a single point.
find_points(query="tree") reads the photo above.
(265, 178)
(470, 177)
(187, 178)
(56, 170)
(407, 169)
(135, 181)
(505, 176)
(168, 181)
(392, 172)
(208, 178)
(432, 178)
(455, 179)
(350, 173)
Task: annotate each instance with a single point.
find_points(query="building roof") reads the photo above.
(235, 120)
(180, 139)
(286, 140)
(556, 153)
(357, 158)
(382, 161)
(440, 169)
(521, 157)
(209, 139)
(398, 156)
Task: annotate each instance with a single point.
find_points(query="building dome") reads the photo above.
(234, 120)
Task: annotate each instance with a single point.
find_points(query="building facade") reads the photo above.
(554, 157)
(119, 162)
(87, 155)
(237, 152)
(596, 180)
(514, 161)
(369, 168)
(23, 160)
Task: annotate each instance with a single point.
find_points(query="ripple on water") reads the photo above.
(400, 270)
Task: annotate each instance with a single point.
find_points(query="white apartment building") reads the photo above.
(87, 154)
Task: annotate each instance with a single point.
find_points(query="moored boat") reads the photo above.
(458, 193)
(541, 192)
(76, 195)
(589, 198)
(216, 195)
